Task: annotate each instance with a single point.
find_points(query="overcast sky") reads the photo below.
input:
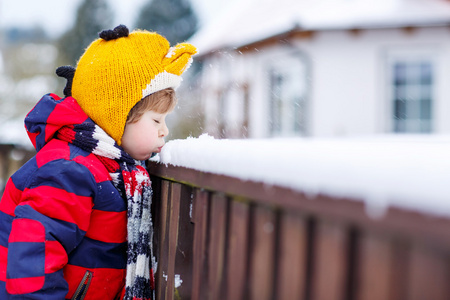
(56, 16)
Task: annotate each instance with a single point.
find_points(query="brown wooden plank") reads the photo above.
(174, 213)
(375, 269)
(184, 253)
(216, 248)
(262, 254)
(162, 258)
(200, 219)
(382, 268)
(400, 267)
(429, 274)
(291, 277)
(330, 262)
(155, 210)
(237, 260)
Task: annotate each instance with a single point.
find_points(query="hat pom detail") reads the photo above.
(118, 32)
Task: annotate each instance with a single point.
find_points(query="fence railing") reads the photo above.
(218, 237)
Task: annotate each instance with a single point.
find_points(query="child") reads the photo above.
(75, 220)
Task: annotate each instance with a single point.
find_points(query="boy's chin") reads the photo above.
(147, 155)
(143, 157)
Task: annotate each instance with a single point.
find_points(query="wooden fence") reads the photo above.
(218, 237)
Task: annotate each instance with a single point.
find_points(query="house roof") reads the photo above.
(250, 21)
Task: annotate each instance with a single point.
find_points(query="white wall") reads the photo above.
(353, 70)
(348, 76)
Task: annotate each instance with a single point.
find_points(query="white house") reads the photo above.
(326, 68)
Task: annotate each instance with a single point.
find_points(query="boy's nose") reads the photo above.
(164, 131)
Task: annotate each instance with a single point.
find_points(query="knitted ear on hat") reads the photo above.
(179, 58)
(67, 72)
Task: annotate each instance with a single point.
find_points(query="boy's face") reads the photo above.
(142, 138)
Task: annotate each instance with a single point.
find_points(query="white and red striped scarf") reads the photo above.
(131, 179)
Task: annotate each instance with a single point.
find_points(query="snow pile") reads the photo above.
(404, 171)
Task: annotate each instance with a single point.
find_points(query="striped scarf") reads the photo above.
(133, 183)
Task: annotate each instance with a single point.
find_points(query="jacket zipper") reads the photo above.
(81, 291)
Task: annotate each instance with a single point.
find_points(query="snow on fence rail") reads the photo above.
(406, 171)
(247, 220)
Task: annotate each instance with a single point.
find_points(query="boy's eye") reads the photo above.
(156, 121)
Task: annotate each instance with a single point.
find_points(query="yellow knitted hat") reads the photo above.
(119, 69)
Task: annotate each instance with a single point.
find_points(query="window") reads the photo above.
(412, 94)
(233, 111)
(288, 96)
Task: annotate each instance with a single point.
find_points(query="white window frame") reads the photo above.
(407, 96)
(288, 85)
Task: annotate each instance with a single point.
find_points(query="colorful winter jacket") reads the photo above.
(62, 221)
